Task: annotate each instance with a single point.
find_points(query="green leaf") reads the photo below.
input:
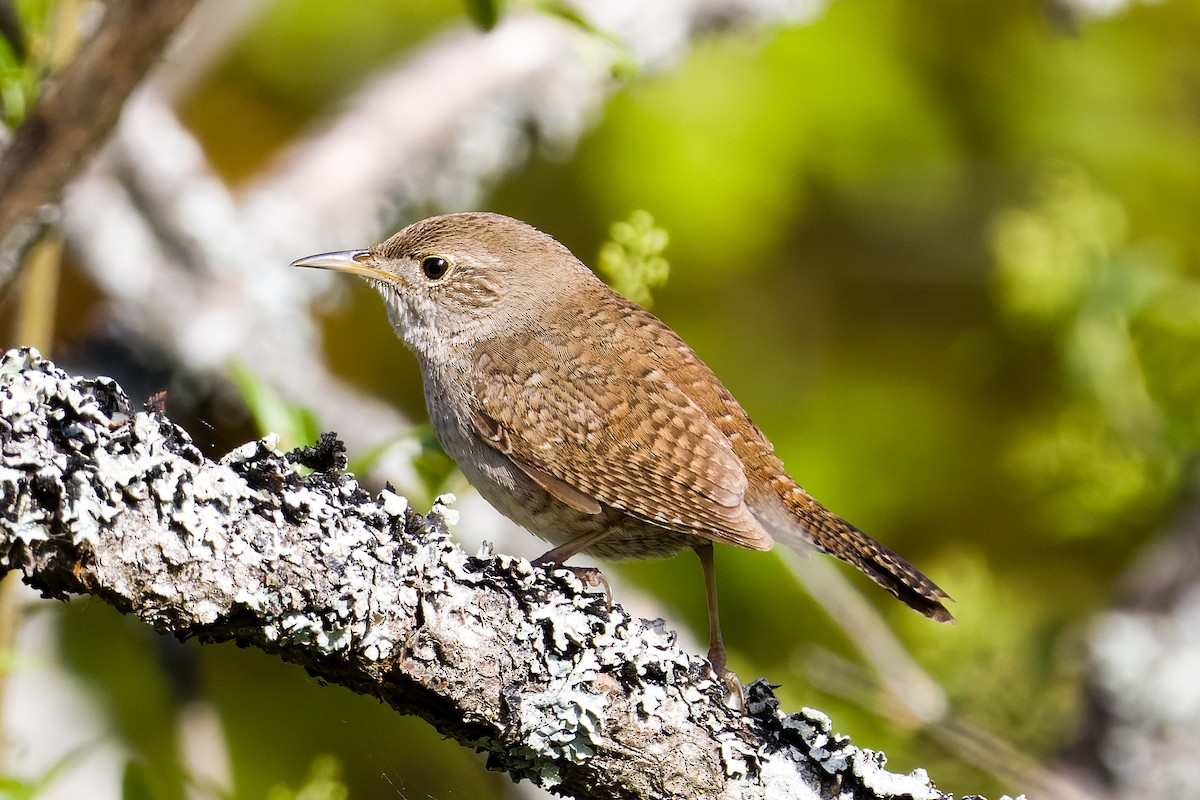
(362, 464)
(134, 784)
(12, 788)
(295, 425)
(631, 261)
(324, 782)
(485, 13)
(431, 463)
(625, 66)
(19, 71)
(10, 29)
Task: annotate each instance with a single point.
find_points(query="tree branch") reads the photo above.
(156, 229)
(97, 498)
(1142, 729)
(80, 106)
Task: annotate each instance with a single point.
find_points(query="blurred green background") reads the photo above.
(946, 254)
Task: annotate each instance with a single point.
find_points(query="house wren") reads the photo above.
(584, 418)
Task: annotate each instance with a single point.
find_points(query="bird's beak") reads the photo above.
(355, 262)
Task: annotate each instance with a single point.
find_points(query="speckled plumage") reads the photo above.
(583, 417)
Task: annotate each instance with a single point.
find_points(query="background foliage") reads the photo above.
(946, 255)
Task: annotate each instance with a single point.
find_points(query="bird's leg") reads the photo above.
(590, 576)
(716, 645)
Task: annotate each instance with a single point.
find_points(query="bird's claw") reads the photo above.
(733, 688)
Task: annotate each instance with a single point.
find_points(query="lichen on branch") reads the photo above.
(100, 498)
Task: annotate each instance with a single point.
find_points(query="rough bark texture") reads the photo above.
(99, 498)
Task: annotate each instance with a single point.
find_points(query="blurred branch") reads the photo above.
(168, 244)
(37, 305)
(1142, 730)
(202, 273)
(923, 700)
(100, 499)
(897, 688)
(77, 110)
(484, 100)
(969, 742)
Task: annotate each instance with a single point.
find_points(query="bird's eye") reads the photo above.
(435, 267)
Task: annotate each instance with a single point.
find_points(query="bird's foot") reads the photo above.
(734, 696)
(591, 577)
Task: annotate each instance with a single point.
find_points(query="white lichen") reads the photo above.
(564, 720)
(311, 564)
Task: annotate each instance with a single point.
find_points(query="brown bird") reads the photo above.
(584, 418)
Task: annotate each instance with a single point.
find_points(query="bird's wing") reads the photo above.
(616, 434)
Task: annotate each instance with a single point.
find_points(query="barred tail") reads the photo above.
(811, 524)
